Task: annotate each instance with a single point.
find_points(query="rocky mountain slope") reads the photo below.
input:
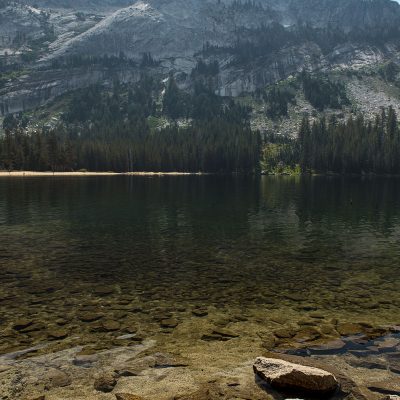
(180, 28)
(61, 46)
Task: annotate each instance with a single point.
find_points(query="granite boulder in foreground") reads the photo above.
(285, 375)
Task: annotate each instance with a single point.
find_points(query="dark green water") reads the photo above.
(165, 246)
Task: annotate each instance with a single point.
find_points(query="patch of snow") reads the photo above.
(34, 10)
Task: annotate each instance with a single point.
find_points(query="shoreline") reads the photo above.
(77, 173)
(29, 174)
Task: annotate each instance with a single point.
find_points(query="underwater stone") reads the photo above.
(284, 333)
(200, 312)
(279, 319)
(89, 317)
(225, 333)
(103, 291)
(387, 343)
(317, 315)
(211, 337)
(349, 328)
(328, 329)
(268, 342)
(306, 334)
(57, 334)
(110, 325)
(391, 386)
(58, 378)
(33, 328)
(169, 323)
(105, 383)
(305, 322)
(333, 346)
(22, 324)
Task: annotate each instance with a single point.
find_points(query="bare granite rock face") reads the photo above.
(285, 375)
(175, 33)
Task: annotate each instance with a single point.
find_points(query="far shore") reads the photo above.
(88, 173)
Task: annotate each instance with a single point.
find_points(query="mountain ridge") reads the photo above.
(255, 43)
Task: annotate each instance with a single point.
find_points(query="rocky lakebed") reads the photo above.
(113, 348)
(133, 288)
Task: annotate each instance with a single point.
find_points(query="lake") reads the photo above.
(187, 261)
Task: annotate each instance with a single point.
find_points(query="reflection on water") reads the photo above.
(139, 250)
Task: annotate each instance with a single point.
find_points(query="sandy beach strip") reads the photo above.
(80, 173)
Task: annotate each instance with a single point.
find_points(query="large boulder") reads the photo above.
(287, 376)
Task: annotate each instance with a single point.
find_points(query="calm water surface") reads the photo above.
(139, 250)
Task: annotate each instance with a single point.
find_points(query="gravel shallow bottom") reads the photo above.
(203, 357)
(85, 341)
(96, 341)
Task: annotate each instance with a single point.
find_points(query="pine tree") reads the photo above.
(305, 144)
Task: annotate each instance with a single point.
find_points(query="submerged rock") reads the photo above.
(349, 328)
(285, 375)
(110, 325)
(103, 291)
(390, 387)
(57, 378)
(200, 312)
(306, 322)
(279, 319)
(221, 335)
(38, 326)
(105, 383)
(334, 346)
(85, 360)
(89, 316)
(56, 334)
(22, 324)
(169, 323)
(225, 333)
(211, 337)
(307, 334)
(387, 343)
(284, 333)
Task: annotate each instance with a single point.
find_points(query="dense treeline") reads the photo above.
(201, 104)
(355, 146)
(110, 131)
(214, 146)
(203, 68)
(246, 5)
(277, 100)
(322, 92)
(390, 72)
(261, 42)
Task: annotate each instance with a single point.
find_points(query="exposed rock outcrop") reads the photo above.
(285, 375)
